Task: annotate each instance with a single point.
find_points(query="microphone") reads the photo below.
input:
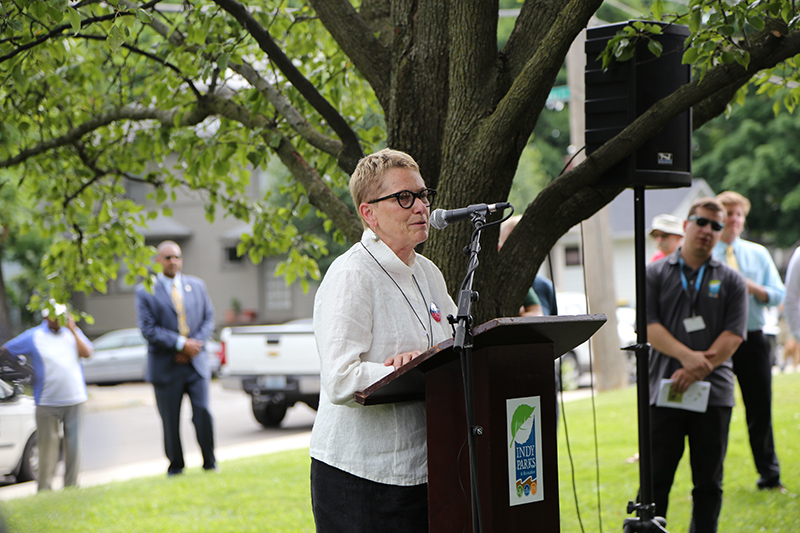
(440, 218)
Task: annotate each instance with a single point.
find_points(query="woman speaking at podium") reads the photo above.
(379, 306)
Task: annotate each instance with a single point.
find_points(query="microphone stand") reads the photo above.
(462, 344)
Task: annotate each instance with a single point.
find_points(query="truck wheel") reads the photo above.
(269, 414)
(314, 404)
(29, 464)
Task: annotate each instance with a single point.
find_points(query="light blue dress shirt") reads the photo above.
(755, 264)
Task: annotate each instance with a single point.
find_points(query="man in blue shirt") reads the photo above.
(752, 362)
(59, 388)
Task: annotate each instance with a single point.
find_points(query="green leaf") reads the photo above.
(727, 57)
(695, 19)
(657, 9)
(222, 62)
(143, 16)
(115, 38)
(74, 19)
(655, 47)
(757, 21)
(521, 415)
(161, 196)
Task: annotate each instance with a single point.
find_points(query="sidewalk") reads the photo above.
(157, 467)
(193, 460)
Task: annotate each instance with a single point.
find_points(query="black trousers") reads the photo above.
(708, 443)
(168, 399)
(344, 503)
(752, 364)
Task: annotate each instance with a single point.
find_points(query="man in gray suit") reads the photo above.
(176, 319)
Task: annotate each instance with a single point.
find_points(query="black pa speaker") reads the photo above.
(617, 96)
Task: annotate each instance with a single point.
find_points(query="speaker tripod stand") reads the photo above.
(646, 519)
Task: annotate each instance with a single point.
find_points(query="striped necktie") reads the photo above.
(730, 258)
(177, 301)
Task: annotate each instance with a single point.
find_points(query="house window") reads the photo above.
(572, 255)
(231, 257)
(279, 296)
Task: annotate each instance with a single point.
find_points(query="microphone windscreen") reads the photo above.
(438, 220)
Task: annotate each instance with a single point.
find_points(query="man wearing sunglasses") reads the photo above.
(696, 319)
(752, 362)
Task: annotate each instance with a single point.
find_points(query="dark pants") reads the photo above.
(344, 503)
(752, 365)
(168, 399)
(708, 442)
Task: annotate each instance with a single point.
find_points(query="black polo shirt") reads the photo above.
(722, 302)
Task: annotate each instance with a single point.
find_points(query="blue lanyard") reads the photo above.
(699, 277)
(697, 283)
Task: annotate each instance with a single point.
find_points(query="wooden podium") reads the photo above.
(515, 398)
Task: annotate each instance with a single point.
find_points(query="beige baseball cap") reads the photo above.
(667, 224)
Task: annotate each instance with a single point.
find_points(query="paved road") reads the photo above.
(122, 424)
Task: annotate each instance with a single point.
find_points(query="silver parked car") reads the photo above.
(19, 454)
(576, 362)
(121, 356)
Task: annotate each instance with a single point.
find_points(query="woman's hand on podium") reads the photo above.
(400, 359)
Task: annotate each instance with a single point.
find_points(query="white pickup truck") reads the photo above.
(277, 365)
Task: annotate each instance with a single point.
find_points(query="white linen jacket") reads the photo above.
(361, 318)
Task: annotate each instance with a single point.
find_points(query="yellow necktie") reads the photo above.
(177, 301)
(730, 258)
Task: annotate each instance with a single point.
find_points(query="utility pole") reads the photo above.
(609, 364)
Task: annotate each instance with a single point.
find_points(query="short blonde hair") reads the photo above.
(734, 198)
(712, 204)
(365, 183)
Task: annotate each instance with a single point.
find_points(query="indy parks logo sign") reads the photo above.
(525, 450)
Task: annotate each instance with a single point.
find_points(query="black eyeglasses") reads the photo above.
(702, 221)
(407, 198)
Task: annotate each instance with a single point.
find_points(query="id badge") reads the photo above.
(694, 323)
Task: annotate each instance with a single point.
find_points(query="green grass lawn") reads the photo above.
(270, 493)
(744, 508)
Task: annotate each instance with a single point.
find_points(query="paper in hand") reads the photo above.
(694, 398)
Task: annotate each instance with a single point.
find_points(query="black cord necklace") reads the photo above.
(429, 330)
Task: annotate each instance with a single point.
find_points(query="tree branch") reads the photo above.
(535, 20)
(525, 96)
(575, 195)
(133, 112)
(358, 42)
(59, 30)
(320, 195)
(91, 165)
(714, 84)
(351, 148)
(282, 104)
(152, 57)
